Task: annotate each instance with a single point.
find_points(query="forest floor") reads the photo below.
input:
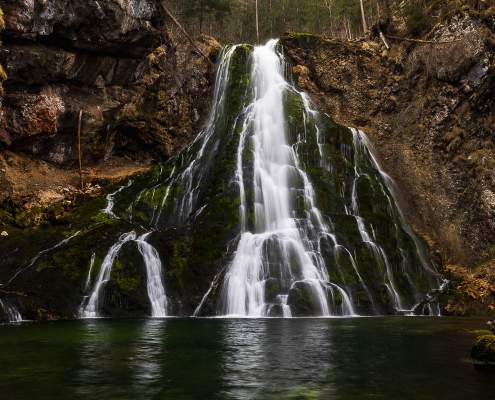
(38, 191)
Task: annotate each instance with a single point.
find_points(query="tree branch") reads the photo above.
(171, 16)
(421, 41)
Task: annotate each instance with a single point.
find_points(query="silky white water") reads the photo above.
(156, 291)
(154, 282)
(275, 163)
(363, 148)
(12, 313)
(90, 309)
(310, 238)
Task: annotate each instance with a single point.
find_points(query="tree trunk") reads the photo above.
(201, 5)
(363, 17)
(257, 24)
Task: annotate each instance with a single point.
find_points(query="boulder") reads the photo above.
(483, 351)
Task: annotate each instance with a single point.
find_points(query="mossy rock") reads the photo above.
(302, 300)
(272, 289)
(483, 350)
(302, 39)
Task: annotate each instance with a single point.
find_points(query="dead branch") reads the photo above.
(176, 22)
(421, 41)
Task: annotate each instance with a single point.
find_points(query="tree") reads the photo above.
(363, 16)
(257, 24)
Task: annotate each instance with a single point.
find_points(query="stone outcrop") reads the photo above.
(483, 351)
(120, 27)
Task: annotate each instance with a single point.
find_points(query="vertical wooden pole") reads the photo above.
(79, 122)
(257, 24)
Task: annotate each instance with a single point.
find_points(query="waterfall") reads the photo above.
(290, 251)
(273, 210)
(153, 265)
(156, 292)
(10, 311)
(90, 270)
(89, 309)
(276, 168)
(364, 148)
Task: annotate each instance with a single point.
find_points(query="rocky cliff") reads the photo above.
(143, 93)
(428, 108)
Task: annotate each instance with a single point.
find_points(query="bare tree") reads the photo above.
(257, 24)
(363, 16)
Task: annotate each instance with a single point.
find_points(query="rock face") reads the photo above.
(429, 111)
(143, 92)
(472, 291)
(120, 27)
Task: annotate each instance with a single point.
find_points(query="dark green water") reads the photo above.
(366, 358)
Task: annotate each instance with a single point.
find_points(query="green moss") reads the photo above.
(178, 262)
(126, 278)
(300, 393)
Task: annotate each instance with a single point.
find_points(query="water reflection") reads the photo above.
(260, 355)
(119, 358)
(179, 359)
(146, 362)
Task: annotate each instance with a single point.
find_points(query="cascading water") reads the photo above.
(276, 172)
(280, 257)
(153, 265)
(89, 308)
(273, 210)
(13, 315)
(156, 292)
